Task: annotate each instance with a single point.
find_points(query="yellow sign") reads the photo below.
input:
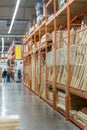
(18, 52)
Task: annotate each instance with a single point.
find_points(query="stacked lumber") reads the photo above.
(61, 63)
(37, 71)
(43, 82)
(31, 29)
(33, 72)
(43, 76)
(78, 61)
(80, 116)
(50, 73)
(61, 38)
(49, 38)
(50, 63)
(61, 100)
(50, 96)
(9, 123)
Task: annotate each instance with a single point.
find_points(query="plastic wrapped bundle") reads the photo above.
(39, 8)
(61, 3)
(39, 12)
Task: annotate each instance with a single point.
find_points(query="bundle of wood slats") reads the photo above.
(61, 100)
(33, 72)
(61, 38)
(9, 123)
(61, 74)
(80, 116)
(50, 73)
(50, 95)
(37, 71)
(50, 64)
(78, 61)
(61, 63)
(43, 82)
(49, 38)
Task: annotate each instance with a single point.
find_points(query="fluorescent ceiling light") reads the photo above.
(2, 44)
(13, 18)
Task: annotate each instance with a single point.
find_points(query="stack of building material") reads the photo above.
(33, 73)
(78, 61)
(82, 116)
(43, 82)
(9, 123)
(60, 41)
(50, 95)
(39, 11)
(61, 65)
(50, 64)
(61, 3)
(61, 100)
(49, 38)
(31, 29)
(50, 73)
(37, 72)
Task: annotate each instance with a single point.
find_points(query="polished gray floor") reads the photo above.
(34, 113)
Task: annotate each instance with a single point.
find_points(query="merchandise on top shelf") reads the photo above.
(61, 3)
(39, 11)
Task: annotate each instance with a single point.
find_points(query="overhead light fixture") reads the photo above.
(14, 15)
(2, 44)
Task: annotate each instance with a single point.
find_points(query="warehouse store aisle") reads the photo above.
(34, 113)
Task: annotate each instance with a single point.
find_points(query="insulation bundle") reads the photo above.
(61, 100)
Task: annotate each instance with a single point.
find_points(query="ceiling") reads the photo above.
(24, 16)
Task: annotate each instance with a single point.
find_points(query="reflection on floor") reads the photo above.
(34, 113)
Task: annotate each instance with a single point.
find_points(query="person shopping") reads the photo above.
(8, 75)
(4, 74)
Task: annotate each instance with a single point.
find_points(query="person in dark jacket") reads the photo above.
(4, 74)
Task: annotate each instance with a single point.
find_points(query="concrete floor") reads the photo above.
(34, 113)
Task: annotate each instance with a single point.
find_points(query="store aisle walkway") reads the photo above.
(34, 113)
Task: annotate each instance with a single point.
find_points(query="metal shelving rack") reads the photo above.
(63, 19)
